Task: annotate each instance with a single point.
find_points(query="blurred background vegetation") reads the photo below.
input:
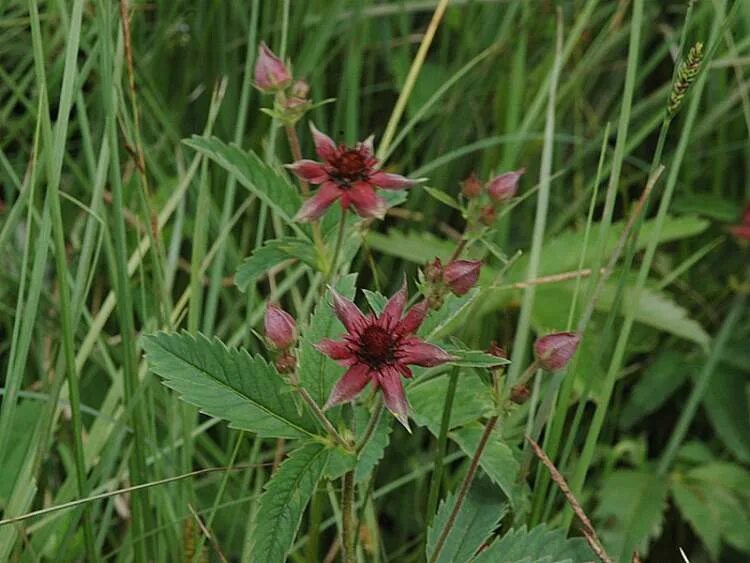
(479, 104)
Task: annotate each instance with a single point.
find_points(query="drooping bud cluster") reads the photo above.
(457, 277)
(272, 76)
(687, 72)
(281, 335)
(554, 351)
(485, 199)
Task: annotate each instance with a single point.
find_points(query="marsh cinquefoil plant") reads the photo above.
(333, 430)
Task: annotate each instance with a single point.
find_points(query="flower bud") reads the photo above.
(281, 330)
(487, 215)
(520, 394)
(497, 351)
(300, 89)
(271, 74)
(462, 275)
(285, 362)
(433, 271)
(503, 187)
(553, 352)
(471, 187)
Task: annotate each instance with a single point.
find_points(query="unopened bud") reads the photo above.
(462, 275)
(281, 330)
(497, 351)
(300, 89)
(271, 74)
(433, 271)
(520, 394)
(471, 187)
(554, 351)
(487, 215)
(504, 187)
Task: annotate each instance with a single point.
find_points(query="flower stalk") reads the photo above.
(465, 486)
(347, 517)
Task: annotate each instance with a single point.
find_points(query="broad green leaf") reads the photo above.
(265, 182)
(653, 308)
(271, 254)
(630, 511)
(343, 461)
(478, 516)
(427, 398)
(708, 205)
(472, 400)
(442, 322)
(539, 545)
(703, 517)
(415, 246)
(375, 300)
(374, 450)
(318, 373)
(284, 500)
(498, 461)
(726, 403)
(562, 253)
(227, 383)
(715, 499)
(655, 386)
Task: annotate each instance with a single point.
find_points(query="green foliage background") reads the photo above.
(671, 464)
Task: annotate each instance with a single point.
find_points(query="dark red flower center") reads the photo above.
(351, 165)
(376, 346)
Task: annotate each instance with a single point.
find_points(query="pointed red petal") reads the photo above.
(415, 351)
(366, 203)
(394, 308)
(324, 145)
(389, 181)
(334, 349)
(309, 170)
(317, 205)
(350, 384)
(394, 396)
(413, 319)
(348, 313)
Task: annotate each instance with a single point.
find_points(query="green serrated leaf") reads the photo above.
(498, 462)
(632, 505)
(227, 383)
(317, 372)
(271, 254)
(374, 450)
(728, 409)
(539, 545)
(375, 300)
(440, 323)
(478, 516)
(265, 182)
(473, 358)
(284, 500)
(427, 399)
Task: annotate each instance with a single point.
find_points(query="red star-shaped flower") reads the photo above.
(348, 174)
(379, 349)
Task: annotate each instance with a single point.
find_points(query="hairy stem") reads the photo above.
(371, 425)
(347, 517)
(321, 417)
